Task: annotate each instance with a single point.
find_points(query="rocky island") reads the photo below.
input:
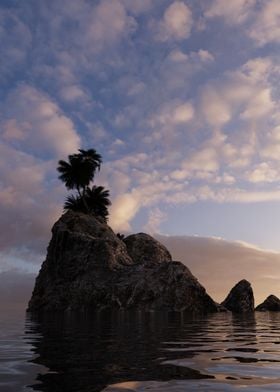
(240, 298)
(271, 304)
(89, 267)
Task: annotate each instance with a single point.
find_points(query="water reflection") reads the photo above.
(82, 352)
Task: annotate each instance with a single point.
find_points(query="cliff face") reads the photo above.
(89, 267)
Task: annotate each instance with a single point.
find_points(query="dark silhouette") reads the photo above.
(121, 236)
(96, 202)
(87, 351)
(80, 170)
(78, 173)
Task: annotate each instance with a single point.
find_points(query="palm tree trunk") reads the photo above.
(82, 196)
(84, 200)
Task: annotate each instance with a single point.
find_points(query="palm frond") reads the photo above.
(77, 174)
(98, 201)
(91, 157)
(80, 170)
(74, 203)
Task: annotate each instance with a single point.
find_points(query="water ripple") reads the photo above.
(126, 351)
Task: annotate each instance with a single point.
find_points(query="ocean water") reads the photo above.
(134, 351)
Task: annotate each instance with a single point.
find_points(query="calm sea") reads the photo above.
(139, 351)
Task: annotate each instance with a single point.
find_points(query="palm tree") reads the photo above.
(92, 157)
(97, 202)
(74, 203)
(79, 171)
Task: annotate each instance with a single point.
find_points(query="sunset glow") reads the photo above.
(181, 99)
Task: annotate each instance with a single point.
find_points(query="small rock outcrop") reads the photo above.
(89, 267)
(143, 248)
(271, 304)
(240, 299)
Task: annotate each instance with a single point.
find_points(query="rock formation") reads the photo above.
(89, 267)
(143, 248)
(272, 304)
(240, 299)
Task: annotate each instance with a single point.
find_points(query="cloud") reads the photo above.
(245, 93)
(15, 42)
(239, 155)
(35, 123)
(35, 134)
(200, 57)
(202, 164)
(108, 13)
(259, 106)
(73, 93)
(249, 196)
(78, 41)
(236, 11)
(214, 108)
(123, 210)
(156, 217)
(177, 70)
(185, 167)
(203, 160)
(173, 113)
(260, 19)
(138, 7)
(176, 23)
(90, 22)
(265, 28)
(22, 259)
(203, 55)
(220, 264)
(241, 105)
(180, 118)
(183, 113)
(29, 202)
(271, 150)
(263, 172)
(218, 191)
(137, 188)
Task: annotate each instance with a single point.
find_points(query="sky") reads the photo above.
(181, 100)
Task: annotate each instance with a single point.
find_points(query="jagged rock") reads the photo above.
(272, 304)
(143, 248)
(240, 299)
(88, 267)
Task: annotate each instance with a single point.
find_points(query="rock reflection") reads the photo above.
(87, 352)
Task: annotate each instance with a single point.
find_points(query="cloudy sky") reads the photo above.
(180, 98)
